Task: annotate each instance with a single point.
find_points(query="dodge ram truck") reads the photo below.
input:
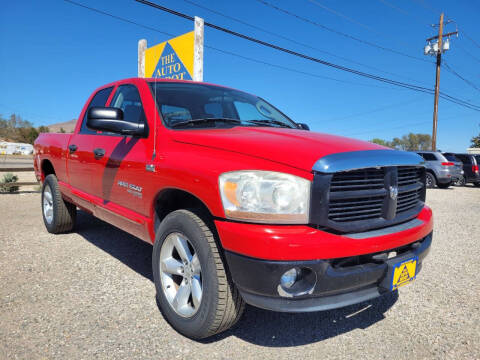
(241, 203)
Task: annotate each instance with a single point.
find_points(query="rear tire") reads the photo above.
(460, 182)
(220, 305)
(444, 186)
(430, 180)
(58, 215)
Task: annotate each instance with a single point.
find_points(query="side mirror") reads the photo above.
(111, 119)
(303, 126)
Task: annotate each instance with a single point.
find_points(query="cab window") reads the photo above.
(128, 100)
(99, 99)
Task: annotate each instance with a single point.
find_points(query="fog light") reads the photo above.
(289, 277)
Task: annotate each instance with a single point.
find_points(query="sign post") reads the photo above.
(178, 58)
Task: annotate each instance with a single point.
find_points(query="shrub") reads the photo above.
(9, 178)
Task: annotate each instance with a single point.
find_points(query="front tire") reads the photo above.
(194, 290)
(58, 215)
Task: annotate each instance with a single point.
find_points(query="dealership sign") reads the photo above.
(180, 58)
(172, 59)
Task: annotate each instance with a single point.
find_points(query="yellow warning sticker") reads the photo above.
(404, 273)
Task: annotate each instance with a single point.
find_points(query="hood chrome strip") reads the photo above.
(355, 160)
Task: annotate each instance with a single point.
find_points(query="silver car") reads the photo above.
(440, 171)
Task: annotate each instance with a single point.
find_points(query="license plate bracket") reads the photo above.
(403, 272)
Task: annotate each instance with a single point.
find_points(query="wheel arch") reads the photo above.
(47, 168)
(171, 199)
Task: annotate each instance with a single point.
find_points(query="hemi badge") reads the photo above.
(150, 167)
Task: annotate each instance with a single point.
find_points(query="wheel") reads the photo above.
(444, 186)
(195, 293)
(430, 180)
(477, 184)
(58, 215)
(460, 182)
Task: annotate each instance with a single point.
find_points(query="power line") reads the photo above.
(276, 34)
(416, 88)
(307, 57)
(339, 32)
(402, 11)
(339, 14)
(353, 21)
(411, 101)
(469, 54)
(291, 52)
(223, 51)
(459, 76)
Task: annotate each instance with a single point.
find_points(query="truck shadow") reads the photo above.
(257, 326)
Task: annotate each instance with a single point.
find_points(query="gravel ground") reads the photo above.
(90, 294)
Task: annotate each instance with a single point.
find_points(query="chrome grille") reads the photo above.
(361, 199)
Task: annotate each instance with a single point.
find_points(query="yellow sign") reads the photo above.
(172, 59)
(404, 273)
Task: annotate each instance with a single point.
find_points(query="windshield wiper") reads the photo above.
(270, 123)
(204, 120)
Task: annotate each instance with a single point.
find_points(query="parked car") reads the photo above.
(470, 167)
(241, 203)
(458, 178)
(440, 171)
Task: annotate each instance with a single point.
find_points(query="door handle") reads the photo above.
(99, 153)
(72, 148)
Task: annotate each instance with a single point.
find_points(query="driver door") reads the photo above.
(121, 174)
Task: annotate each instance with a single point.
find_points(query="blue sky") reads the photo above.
(54, 54)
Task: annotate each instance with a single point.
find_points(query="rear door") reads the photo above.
(120, 174)
(80, 150)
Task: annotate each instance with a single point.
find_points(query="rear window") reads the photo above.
(477, 157)
(451, 157)
(465, 159)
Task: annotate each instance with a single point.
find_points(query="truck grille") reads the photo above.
(364, 199)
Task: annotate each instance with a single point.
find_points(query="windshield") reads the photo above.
(180, 103)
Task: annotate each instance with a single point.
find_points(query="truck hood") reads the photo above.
(296, 148)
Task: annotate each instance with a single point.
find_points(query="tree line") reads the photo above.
(409, 142)
(17, 129)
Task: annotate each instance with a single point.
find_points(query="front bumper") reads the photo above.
(331, 283)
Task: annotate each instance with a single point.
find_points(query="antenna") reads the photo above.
(155, 109)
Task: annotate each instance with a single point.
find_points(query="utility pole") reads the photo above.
(437, 49)
(437, 84)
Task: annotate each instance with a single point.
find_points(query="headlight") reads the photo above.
(265, 196)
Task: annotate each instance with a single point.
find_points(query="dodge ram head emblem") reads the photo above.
(393, 192)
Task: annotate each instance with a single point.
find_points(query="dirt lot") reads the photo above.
(90, 294)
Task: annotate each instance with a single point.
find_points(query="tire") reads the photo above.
(444, 186)
(220, 305)
(461, 181)
(430, 180)
(477, 184)
(58, 215)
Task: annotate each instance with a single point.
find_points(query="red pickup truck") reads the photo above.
(241, 204)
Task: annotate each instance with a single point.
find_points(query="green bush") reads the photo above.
(9, 178)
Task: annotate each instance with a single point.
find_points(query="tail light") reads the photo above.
(448, 163)
(475, 168)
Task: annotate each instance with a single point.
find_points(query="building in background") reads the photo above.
(9, 148)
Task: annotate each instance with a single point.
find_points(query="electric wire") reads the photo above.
(276, 34)
(351, 37)
(404, 85)
(448, 68)
(320, 61)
